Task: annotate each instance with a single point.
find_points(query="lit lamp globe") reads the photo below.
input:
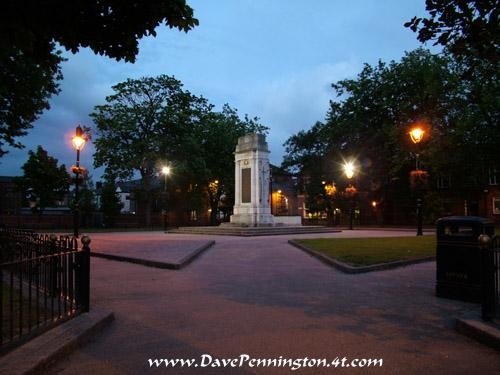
(416, 135)
(165, 170)
(78, 140)
(349, 169)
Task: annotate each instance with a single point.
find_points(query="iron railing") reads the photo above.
(44, 280)
(490, 271)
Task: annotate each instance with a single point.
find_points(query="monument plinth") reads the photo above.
(251, 172)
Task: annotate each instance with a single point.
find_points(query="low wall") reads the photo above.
(287, 220)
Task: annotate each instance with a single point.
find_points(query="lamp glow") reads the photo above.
(349, 169)
(165, 171)
(78, 140)
(416, 135)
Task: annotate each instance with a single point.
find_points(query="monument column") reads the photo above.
(251, 202)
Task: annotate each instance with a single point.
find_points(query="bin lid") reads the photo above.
(465, 220)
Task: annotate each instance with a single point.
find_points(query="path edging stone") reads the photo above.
(479, 331)
(39, 353)
(347, 268)
(154, 263)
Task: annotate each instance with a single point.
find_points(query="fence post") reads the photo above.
(487, 278)
(82, 281)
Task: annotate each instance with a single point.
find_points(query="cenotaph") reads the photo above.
(251, 173)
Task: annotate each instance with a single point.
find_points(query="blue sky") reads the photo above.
(272, 59)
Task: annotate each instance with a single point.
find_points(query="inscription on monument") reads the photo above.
(246, 187)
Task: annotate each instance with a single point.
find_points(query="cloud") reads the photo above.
(295, 102)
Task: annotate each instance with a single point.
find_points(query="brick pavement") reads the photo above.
(146, 245)
(263, 297)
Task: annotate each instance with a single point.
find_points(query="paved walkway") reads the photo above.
(265, 298)
(146, 245)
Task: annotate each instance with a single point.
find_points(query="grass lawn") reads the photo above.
(368, 251)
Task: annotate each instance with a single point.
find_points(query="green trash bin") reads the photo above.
(458, 256)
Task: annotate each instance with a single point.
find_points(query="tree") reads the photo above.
(306, 155)
(110, 202)
(87, 200)
(470, 31)
(151, 121)
(30, 61)
(210, 152)
(142, 125)
(48, 181)
(466, 28)
(371, 118)
(26, 84)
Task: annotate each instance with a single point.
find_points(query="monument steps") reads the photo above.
(253, 231)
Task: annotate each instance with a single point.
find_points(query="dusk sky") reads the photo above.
(272, 59)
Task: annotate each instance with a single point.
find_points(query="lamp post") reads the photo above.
(349, 171)
(330, 190)
(166, 171)
(278, 202)
(416, 136)
(78, 143)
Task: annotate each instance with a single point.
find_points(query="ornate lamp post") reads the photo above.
(349, 171)
(416, 136)
(165, 171)
(78, 143)
(330, 191)
(418, 176)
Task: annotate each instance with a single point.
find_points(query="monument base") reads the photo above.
(252, 220)
(288, 220)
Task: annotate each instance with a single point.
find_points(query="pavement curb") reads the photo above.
(479, 331)
(346, 268)
(154, 263)
(238, 231)
(36, 355)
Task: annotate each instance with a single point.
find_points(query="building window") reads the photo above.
(496, 206)
(443, 181)
(194, 215)
(494, 175)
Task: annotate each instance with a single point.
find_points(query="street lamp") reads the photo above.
(330, 191)
(166, 171)
(349, 171)
(78, 143)
(416, 136)
(418, 176)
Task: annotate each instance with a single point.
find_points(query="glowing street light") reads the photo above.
(78, 141)
(349, 169)
(416, 134)
(165, 170)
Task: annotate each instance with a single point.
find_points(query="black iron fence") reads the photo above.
(44, 280)
(490, 267)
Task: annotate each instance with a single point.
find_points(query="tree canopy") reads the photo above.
(30, 32)
(469, 29)
(151, 121)
(110, 203)
(47, 180)
(372, 115)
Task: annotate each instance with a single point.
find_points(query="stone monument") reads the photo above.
(251, 174)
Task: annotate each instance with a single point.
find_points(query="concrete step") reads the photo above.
(253, 231)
